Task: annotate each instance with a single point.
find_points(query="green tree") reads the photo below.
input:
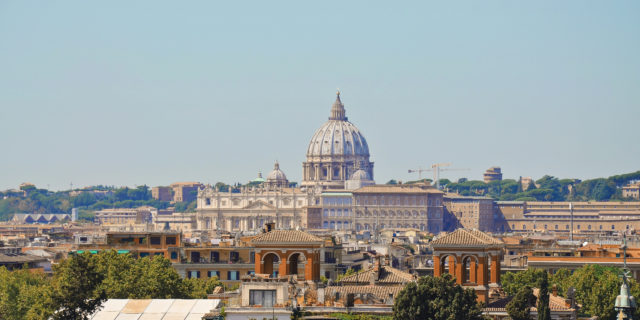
(513, 281)
(154, 278)
(544, 313)
(75, 288)
(347, 273)
(596, 289)
(519, 308)
(200, 288)
(222, 187)
(437, 298)
(561, 279)
(23, 295)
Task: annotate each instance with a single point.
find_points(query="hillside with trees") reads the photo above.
(34, 200)
(547, 188)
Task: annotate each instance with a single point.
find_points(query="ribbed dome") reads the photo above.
(276, 174)
(337, 136)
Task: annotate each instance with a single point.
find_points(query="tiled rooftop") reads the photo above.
(380, 292)
(286, 236)
(556, 303)
(466, 237)
(388, 275)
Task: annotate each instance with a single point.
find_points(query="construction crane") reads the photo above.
(436, 168)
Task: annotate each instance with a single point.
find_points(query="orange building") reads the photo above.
(139, 244)
(601, 254)
(288, 252)
(472, 256)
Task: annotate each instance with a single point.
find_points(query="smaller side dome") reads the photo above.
(360, 175)
(277, 178)
(358, 179)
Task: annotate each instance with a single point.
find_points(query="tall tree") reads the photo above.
(437, 298)
(75, 291)
(519, 308)
(544, 313)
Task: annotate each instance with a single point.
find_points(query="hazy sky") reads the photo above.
(154, 92)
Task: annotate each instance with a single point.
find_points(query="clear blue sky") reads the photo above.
(153, 92)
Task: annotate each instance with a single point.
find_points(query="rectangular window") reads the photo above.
(170, 240)
(234, 256)
(329, 258)
(264, 298)
(193, 274)
(213, 273)
(233, 275)
(252, 257)
(155, 240)
(174, 255)
(215, 257)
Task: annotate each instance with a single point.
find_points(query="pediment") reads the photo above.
(259, 205)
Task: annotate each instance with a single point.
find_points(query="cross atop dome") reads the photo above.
(337, 110)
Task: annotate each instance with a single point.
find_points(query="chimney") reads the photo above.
(377, 265)
(270, 226)
(554, 290)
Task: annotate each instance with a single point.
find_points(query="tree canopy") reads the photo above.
(519, 308)
(596, 287)
(437, 298)
(82, 282)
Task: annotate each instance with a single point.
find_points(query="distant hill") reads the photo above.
(547, 188)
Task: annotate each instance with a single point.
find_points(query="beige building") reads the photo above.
(470, 212)
(586, 217)
(185, 191)
(525, 182)
(162, 193)
(631, 191)
(493, 174)
(251, 208)
(124, 216)
(416, 206)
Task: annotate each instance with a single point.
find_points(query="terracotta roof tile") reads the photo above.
(466, 237)
(556, 303)
(388, 275)
(286, 236)
(380, 292)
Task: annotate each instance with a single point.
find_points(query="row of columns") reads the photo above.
(312, 171)
(480, 273)
(311, 264)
